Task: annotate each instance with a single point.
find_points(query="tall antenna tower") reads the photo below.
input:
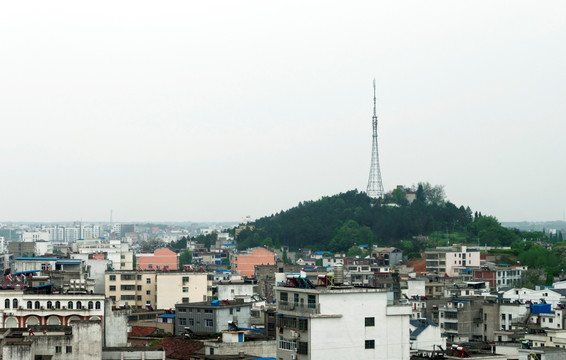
(375, 186)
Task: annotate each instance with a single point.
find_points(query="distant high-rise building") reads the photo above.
(375, 186)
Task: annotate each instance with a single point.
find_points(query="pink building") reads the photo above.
(160, 259)
(245, 263)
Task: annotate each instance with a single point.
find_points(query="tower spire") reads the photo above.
(375, 186)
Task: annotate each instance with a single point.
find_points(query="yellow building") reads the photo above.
(182, 287)
(160, 290)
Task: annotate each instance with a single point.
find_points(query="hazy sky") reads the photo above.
(214, 110)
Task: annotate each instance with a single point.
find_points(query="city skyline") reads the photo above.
(212, 112)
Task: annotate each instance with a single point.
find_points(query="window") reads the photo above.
(79, 305)
(148, 292)
(237, 309)
(148, 281)
(70, 305)
(29, 305)
(127, 297)
(296, 298)
(90, 305)
(15, 303)
(182, 321)
(311, 301)
(303, 324)
(112, 288)
(112, 277)
(49, 305)
(58, 349)
(7, 303)
(191, 322)
(127, 287)
(208, 311)
(57, 305)
(185, 300)
(370, 344)
(302, 347)
(185, 289)
(370, 321)
(68, 349)
(208, 322)
(139, 288)
(150, 266)
(284, 296)
(138, 297)
(97, 305)
(36, 305)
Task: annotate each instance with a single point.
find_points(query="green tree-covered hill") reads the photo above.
(337, 222)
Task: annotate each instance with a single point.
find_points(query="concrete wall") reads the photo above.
(18, 351)
(131, 353)
(115, 326)
(232, 291)
(266, 348)
(87, 340)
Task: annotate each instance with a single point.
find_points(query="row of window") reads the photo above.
(129, 277)
(207, 322)
(50, 305)
(59, 349)
(129, 288)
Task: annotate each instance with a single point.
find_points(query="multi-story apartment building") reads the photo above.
(448, 261)
(499, 276)
(212, 317)
(341, 322)
(161, 259)
(182, 287)
(160, 290)
(119, 253)
(245, 262)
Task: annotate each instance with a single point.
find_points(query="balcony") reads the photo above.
(299, 308)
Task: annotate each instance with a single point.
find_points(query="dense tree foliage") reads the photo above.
(337, 222)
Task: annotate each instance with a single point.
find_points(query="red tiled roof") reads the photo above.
(141, 331)
(176, 348)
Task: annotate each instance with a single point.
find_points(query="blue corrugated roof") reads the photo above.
(27, 272)
(37, 258)
(40, 286)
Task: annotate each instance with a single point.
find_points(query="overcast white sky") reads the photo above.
(214, 110)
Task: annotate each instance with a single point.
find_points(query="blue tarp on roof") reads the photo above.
(75, 262)
(167, 316)
(541, 308)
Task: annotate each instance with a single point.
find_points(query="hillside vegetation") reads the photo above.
(338, 222)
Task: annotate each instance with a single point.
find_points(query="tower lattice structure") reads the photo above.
(375, 186)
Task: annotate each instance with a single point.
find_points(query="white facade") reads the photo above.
(346, 323)
(235, 291)
(43, 247)
(415, 288)
(426, 335)
(32, 236)
(534, 296)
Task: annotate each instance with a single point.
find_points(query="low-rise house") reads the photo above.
(426, 335)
